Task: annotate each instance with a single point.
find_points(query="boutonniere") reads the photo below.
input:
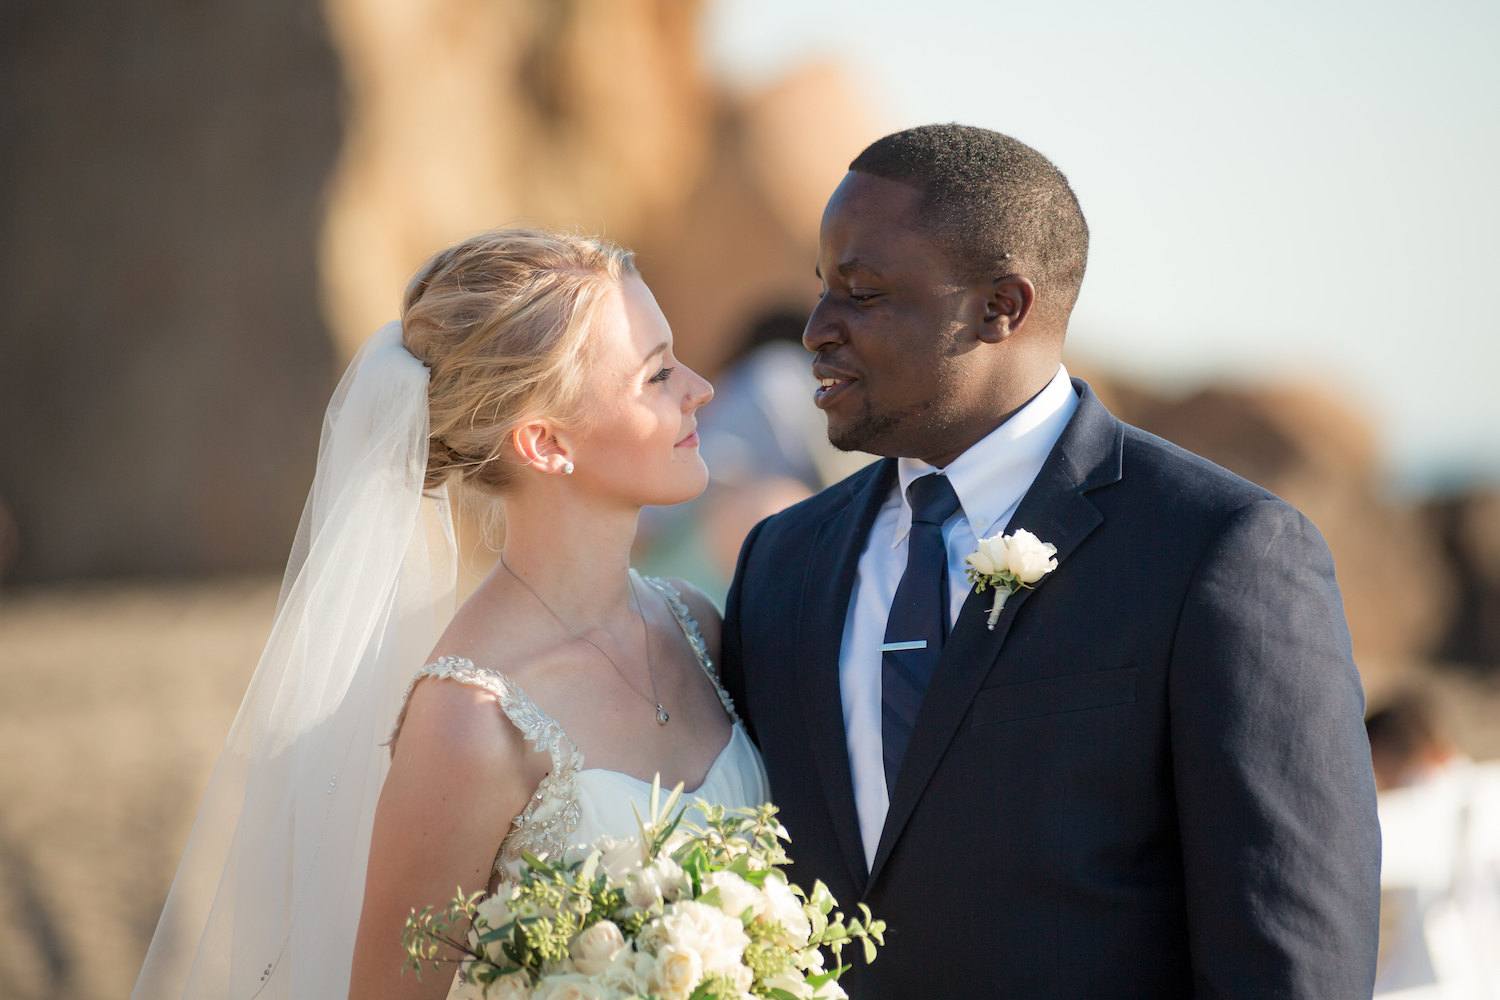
(1008, 563)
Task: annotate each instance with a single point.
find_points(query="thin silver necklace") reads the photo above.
(662, 718)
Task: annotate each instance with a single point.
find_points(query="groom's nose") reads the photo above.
(822, 331)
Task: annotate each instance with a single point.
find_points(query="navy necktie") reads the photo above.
(918, 623)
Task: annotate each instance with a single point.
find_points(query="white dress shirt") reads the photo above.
(990, 480)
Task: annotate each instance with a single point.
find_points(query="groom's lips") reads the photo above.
(831, 385)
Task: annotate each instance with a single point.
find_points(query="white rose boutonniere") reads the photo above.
(1008, 563)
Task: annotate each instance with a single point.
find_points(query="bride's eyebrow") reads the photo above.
(655, 351)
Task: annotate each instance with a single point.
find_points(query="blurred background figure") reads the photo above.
(205, 209)
(10, 541)
(764, 422)
(766, 446)
(1440, 872)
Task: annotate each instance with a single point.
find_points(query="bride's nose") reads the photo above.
(699, 391)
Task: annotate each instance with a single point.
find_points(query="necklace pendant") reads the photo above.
(662, 718)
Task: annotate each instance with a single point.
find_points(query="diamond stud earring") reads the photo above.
(567, 468)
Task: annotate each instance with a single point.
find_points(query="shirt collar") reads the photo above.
(993, 475)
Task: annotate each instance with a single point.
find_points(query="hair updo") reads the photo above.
(503, 322)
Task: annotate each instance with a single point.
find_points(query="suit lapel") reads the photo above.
(833, 562)
(1056, 509)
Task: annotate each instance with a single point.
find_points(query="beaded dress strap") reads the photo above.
(539, 728)
(689, 626)
(554, 810)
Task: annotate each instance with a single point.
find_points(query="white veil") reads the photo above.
(267, 898)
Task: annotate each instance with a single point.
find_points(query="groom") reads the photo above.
(1150, 777)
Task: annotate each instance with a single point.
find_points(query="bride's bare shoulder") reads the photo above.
(704, 611)
(460, 725)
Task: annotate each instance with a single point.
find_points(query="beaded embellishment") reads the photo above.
(694, 637)
(553, 812)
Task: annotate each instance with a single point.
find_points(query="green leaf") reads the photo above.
(826, 977)
(672, 801)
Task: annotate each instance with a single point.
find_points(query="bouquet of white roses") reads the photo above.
(682, 912)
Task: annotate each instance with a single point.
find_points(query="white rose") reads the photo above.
(792, 982)
(619, 858)
(495, 911)
(735, 894)
(570, 986)
(630, 972)
(511, 986)
(784, 908)
(1030, 558)
(717, 939)
(530, 909)
(830, 990)
(741, 978)
(595, 948)
(662, 881)
(468, 989)
(981, 559)
(678, 972)
(999, 552)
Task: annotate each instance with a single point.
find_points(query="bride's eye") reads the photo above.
(661, 376)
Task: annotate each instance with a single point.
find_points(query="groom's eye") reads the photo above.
(863, 296)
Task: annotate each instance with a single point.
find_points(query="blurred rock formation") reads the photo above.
(1320, 455)
(178, 297)
(172, 263)
(586, 114)
(165, 359)
(1469, 529)
(163, 365)
(744, 242)
(470, 114)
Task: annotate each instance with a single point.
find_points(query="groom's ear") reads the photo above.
(1007, 305)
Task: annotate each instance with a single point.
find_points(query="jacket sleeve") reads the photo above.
(731, 658)
(1275, 795)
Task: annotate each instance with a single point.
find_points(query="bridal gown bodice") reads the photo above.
(574, 805)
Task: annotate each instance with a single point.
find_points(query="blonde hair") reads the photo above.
(503, 322)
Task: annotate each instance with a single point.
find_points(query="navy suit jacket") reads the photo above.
(1150, 779)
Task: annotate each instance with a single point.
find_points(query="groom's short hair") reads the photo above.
(995, 205)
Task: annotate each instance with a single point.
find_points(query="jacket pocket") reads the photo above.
(1053, 696)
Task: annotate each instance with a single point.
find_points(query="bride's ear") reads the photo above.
(539, 448)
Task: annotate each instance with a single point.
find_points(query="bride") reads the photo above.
(533, 369)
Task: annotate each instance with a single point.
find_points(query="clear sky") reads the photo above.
(1302, 190)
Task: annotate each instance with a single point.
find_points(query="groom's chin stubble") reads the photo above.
(867, 432)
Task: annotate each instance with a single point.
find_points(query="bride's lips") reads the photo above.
(691, 441)
(831, 385)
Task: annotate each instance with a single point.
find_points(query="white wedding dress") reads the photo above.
(574, 806)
